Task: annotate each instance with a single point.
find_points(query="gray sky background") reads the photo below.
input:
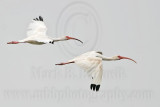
(29, 78)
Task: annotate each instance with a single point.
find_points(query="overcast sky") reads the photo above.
(29, 77)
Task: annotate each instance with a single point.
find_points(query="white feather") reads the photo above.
(37, 28)
(91, 64)
(97, 74)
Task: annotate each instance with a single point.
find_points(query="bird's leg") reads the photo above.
(15, 42)
(64, 63)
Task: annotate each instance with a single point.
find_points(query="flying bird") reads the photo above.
(37, 34)
(91, 62)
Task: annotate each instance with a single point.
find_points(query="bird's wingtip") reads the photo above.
(41, 18)
(38, 19)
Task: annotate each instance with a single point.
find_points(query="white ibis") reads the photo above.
(37, 34)
(91, 62)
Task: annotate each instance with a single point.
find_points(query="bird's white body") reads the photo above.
(91, 62)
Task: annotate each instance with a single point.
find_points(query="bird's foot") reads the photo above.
(13, 42)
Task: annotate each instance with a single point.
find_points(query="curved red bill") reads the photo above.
(121, 57)
(78, 40)
(73, 39)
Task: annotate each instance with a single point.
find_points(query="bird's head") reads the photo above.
(71, 38)
(122, 57)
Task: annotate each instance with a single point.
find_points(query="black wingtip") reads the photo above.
(38, 19)
(94, 87)
(97, 87)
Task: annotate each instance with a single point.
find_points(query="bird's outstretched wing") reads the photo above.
(93, 66)
(37, 28)
(96, 77)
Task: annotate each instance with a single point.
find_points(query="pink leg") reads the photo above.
(13, 42)
(64, 63)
